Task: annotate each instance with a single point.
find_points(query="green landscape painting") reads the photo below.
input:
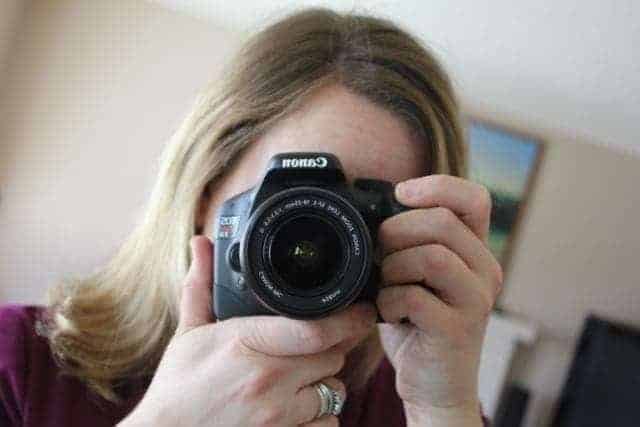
(505, 163)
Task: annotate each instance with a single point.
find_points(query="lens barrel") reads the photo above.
(307, 252)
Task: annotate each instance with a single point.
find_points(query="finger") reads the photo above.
(282, 336)
(347, 345)
(438, 225)
(437, 267)
(312, 368)
(414, 302)
(470, 200)
(307, 401)
(195, 300)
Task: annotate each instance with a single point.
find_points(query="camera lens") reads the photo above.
(306, 252)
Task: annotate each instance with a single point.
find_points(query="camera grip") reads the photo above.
(227, 303)
(379, 197)
(395, 207)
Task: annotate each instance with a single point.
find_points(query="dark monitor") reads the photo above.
(602, 388)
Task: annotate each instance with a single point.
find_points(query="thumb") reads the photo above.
(195, 300)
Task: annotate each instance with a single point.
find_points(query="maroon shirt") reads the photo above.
(34, 393)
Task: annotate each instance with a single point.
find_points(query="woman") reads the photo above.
(137, 342)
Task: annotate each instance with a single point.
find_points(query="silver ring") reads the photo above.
(330, 400)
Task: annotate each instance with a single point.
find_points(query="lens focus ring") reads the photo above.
(307, 252)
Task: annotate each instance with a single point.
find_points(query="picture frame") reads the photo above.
(507, 162)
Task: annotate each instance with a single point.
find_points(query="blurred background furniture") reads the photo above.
(513, 407)
(504, 335)
(603, 384)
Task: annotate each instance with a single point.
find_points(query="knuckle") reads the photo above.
(439, 182)
(193, 280)
(251, 338)
(263, 380)
(414, 299)
(498, 278)
(198, 282)
(496, 281)
(444, 218)
(180, 330)
(238, 345)
(485, 306)
(313, 336)
(497, 290)
(435, 258)
(482, 201)
(270, 416)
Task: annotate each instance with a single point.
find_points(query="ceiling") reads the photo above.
(566, 66)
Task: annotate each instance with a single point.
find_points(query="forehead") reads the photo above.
(370, 141)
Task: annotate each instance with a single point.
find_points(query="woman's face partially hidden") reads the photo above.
(370, 142)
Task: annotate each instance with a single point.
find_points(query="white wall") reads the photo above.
(94, 89)
(560, 65)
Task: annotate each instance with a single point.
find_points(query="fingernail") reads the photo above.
(192, 246)
(404, 190)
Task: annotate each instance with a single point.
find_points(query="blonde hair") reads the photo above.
(113, 326)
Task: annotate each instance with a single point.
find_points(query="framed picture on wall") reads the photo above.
(506, 162)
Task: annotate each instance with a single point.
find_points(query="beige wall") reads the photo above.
(10, 18)
(11, 15)
(93, 91)
(576, 253)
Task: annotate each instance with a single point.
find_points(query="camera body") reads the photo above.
(301, 243)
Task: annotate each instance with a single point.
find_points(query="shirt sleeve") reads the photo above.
(13, 360)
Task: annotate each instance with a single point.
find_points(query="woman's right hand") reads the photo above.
(246, 371)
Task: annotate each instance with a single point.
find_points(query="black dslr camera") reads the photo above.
(300, 244)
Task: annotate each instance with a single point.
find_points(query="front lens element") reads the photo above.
(306, 252)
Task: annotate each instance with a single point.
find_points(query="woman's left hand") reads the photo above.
(438, 273)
